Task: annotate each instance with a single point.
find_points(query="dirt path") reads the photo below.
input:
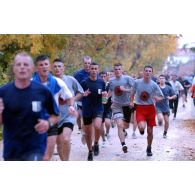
(179, 145)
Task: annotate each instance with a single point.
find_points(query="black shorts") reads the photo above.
(53, 131)
(89, 120)
(127, 113)
(107, 114)
(79, 107)
(69, 125)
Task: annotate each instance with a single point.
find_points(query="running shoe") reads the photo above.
(104, 143)
(149, 151)
(134, 135)
(165, 134)
(96, 149)
(125, 149)
(90, 156)
(108, 136)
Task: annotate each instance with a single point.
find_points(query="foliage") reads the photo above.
(133, 51)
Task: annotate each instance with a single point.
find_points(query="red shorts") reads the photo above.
(146, 113)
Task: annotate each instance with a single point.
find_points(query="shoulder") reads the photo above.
(7, 85)
(69, 78)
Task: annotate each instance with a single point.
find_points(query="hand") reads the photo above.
(131, 104)
(1, 106)
(72, 111)
(157, 99)
(86, 93)
(122, 88)
(42, 126)
(104, 94)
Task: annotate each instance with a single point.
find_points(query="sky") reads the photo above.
(186, 38)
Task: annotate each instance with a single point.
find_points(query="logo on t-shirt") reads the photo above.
(144, 96)
(118, 91)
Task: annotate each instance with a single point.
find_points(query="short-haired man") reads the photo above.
(81, 75)
(120, 88)
(67, 119)
(94, 89)
(162, 107)
(107, 115)
(27, 111)
(147, 92)
(178, 88)
(57, 87)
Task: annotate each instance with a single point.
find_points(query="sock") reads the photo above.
(96, 143)
(123, 143)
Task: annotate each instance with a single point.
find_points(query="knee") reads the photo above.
(66, 139)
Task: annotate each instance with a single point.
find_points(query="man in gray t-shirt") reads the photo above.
(67, 119)
(121, 87)
(147, 92)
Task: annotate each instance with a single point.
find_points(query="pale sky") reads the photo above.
(186, 38)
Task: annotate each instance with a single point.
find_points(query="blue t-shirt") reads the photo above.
(81, 75)
(94, 100)
(22, 109)
(163, 105)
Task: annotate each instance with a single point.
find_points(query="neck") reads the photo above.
(162, 85)
(147, 80)
(43, 78)
(93, 78)
(22, 84)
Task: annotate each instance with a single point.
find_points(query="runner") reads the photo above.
(162, 107)
(178, 88)
(23, 107)
(120, 90)
(67, 119)
(80, 76)
(94, 89)
(106, 120)
(57, 87)
(147, 92)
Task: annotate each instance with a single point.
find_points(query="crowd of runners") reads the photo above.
(40, 108)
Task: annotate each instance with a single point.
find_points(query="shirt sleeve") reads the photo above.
(50, 104)
(64, 92)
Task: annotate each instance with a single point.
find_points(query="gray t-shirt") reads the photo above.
(118, 96)
(74, 87)
(163, 105)
(144, 92)
(177, 86)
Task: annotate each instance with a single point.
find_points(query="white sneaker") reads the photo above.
(104, 143)
(134, 135)
(108, 136)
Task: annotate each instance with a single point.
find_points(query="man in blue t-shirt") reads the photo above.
(23, 107)
(81, 75)
(94, 89)
(162, 107)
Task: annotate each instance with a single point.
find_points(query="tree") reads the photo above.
(133, 51)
